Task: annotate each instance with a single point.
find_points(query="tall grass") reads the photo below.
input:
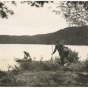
(7, 79)
(48, 65)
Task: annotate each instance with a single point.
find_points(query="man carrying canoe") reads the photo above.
(63, 51)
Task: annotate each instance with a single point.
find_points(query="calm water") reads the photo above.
(9, 51)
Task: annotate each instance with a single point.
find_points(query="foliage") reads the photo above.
(11, 81)
(2, 74)
(35, 3)
(49, 65)
(7, 79)
(55, 75)
(40, 66)
(75, 12)
(36, 66)
(73, 56)
(75, 67)
(30, 66)
(5, 11)
(85, 65)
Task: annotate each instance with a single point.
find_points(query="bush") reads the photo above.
(79, 67)
(73, 56)
(85, 65)
(31, 66)
(2, 74)
(11, 81)
(38, 65)
(8, 79)
(48, 66)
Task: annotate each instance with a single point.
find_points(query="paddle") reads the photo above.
(52, 52)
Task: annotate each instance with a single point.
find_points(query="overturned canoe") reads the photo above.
(22, 60)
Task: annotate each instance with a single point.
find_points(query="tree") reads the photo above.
(75, 12)
(4, 11)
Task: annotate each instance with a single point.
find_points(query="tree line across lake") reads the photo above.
(68, 36)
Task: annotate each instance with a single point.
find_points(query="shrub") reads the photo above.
(2, 74)
(7, 79)
(85, 65)
(34, 65)
(11, 81)
(38, 65)
(48, 66)
(76, 67)
(73, 56)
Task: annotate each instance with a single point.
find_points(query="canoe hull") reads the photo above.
(22, 60)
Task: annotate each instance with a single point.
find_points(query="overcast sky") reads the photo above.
(29, 20)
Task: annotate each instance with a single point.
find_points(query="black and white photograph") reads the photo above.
(43, 43)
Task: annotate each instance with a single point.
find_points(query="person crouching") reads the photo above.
(26, 55)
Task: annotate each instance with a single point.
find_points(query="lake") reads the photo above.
(9, 51)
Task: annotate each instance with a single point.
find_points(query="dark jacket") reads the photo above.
(58, 47)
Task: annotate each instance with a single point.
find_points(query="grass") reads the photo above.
(44, 74)
(7, 79)
(47, 74)
(49, 65)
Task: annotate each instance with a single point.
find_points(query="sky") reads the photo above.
(29, 20)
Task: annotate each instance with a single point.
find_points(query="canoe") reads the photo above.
(22, 60)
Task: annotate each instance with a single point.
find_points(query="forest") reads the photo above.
(68, 36)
